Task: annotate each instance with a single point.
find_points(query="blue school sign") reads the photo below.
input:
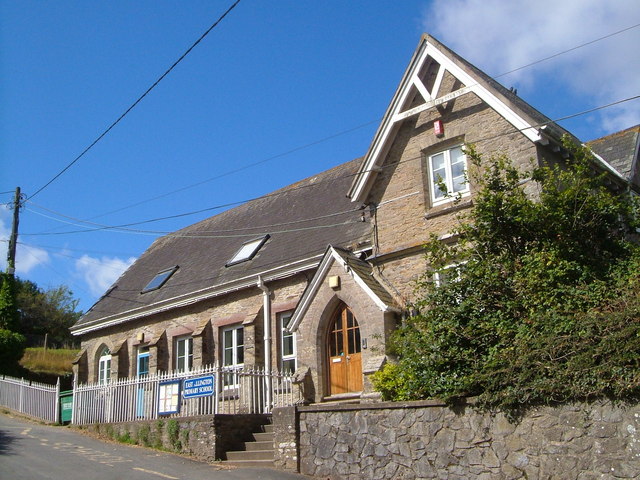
(198, 387)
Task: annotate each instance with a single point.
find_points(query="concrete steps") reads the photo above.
(256, 453)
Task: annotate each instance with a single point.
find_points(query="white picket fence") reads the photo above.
(205, 391)
(34, 399)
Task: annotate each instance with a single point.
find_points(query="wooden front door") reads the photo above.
(345, 362)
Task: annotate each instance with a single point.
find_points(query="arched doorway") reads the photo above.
(343, 351)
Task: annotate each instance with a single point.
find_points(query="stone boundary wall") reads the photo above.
(206, 438)
(422, 440)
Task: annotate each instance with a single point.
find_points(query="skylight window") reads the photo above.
(247, 251)
(159, 280)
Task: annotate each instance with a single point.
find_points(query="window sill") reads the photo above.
(447, 209)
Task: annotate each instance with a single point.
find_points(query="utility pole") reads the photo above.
(13, 240)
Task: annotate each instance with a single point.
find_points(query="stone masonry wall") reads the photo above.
(205, 438)
(203, 319)
(404, 215)
(285, 438)
(311, 335)
(429, 440)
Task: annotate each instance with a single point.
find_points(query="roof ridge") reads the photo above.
(308, 181)
(615, 134)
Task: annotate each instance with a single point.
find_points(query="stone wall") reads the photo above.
(375, 327)
(202, 320)
(429, 440)
(205, 438)
(286, 438)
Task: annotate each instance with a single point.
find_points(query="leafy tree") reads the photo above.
(11, 343)
(42, 312)
(9, 315)
(541, 298)
(11, 350)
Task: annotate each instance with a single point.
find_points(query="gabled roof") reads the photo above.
(432, 54)
(301, 220)
(621, 151)
(359, 270)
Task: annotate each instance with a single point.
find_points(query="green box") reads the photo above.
(66, 406)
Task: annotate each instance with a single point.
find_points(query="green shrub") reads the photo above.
(157, 442)
(144, 435)
(173, 432)
(11, 350)
(184, 438)
(125, 437)
(543, 305)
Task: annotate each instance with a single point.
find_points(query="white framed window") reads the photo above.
(448, 274)
(247, 251)
(448, 169)
(233, 346)
(184, 354)
(288, 361)
(159, 280)
(104, 366)
(232, 354)
(142, 369)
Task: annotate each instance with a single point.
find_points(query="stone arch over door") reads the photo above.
(342, 355)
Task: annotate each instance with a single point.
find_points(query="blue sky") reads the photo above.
(277, 92)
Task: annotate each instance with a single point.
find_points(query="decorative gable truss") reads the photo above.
(420, 90)
(358, 269)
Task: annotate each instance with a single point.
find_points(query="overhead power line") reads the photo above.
(111, 227)
(52, 248)
(567, 51)
(134, 104)
(240, 169)
(236, 232)
(217, 207)
(302, 147)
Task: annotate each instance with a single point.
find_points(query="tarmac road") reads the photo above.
(31, 451)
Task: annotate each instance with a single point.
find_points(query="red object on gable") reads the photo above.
(438, 128)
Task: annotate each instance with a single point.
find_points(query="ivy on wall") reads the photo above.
(537, 302)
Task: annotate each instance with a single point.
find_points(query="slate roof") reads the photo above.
(364, 271)
(302, 220)
(621, 151)
(360, 271)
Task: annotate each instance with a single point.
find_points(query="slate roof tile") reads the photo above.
(621, 151)
(301, 219)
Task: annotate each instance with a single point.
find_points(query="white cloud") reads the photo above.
(499, 36)
(27, 257)
(101, 273)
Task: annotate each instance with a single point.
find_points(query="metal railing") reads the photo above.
(34, 399)
(204, 391)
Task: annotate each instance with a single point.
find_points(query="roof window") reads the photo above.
(159, 280)
(247, 251)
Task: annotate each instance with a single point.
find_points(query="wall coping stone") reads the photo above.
(342, 407)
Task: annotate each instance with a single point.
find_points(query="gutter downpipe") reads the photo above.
(266, 297)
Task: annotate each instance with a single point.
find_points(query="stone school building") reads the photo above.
(314, 277)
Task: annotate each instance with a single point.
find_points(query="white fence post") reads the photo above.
(57, 401)
(74, 399)
(31, 398)
(20, 409)
(252, 390)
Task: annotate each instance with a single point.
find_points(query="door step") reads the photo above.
(351, 397)
(258, 452)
